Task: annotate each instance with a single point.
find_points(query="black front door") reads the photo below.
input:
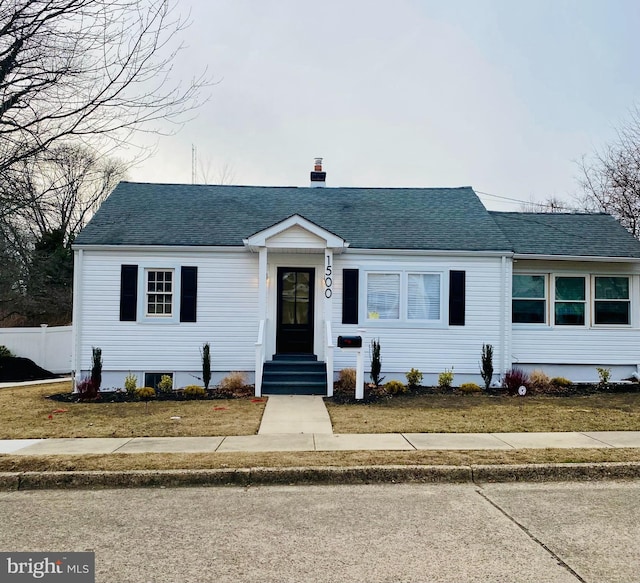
(294, 332)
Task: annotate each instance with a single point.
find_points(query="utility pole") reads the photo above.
(194, 159)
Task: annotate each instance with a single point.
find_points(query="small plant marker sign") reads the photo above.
(522, 391)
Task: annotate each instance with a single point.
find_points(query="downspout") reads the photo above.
(503, 315)
(76, 329)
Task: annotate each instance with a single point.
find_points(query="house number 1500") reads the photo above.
(328, 280)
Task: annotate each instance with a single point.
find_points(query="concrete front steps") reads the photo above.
(294, 374)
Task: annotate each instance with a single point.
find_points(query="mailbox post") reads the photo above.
(354, 344)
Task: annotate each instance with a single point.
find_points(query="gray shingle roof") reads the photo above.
(596, 235)
(372, 218)
(367, 218)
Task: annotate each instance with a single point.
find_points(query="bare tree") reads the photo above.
(85, 69)
(611, 179)
(61, 189)
(224, 174)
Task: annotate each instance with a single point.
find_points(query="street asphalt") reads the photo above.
(391, 533)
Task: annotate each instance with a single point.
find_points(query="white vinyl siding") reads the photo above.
(227, 313)
(422, 344)
(593, 344)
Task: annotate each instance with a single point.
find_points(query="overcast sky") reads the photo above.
(504, 96)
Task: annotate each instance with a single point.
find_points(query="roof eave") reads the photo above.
(189, 248)
(592, 258)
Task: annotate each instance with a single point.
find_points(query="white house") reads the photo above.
(278, 273)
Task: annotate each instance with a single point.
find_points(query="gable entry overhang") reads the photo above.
(296, 234)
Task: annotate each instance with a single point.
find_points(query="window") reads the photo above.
(152, 379)
(159, 292)
(611, 303)
(383, 296)
(404, 296)
(529, 305)
(569, 304)
(424, 296)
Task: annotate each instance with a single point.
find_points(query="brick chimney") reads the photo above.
(318, 177)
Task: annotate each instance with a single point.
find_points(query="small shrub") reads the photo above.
(414, 378)
(166, 384)
(346, 380)
(195, 392)
(5, 352)
(234, 385)
(561, 382)
(470, 388)
(486, 366)
(395, 388)
(514, 379)
(539, 381)
(604, 374)
(96, 367)
(145, 393)
(206, 365)
(87, 390)
(376, 363)
(445, 379)
(130, 384)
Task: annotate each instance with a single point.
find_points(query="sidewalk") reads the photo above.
(323, 442)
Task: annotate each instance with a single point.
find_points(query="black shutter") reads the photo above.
(350, 280)
(128, 293)
(456, 298)
(188, 294)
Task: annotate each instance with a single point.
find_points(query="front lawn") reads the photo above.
(488, 414)
(26, 413)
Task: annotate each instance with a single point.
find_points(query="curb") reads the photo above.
(320, 475)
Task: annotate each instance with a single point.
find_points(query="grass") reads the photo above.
(25, 413)
(123, 462)
(484, 414)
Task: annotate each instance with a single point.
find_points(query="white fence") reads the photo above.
(49, 348)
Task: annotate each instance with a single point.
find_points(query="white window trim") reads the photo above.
(632, 294)
(586, 302)
(147, 293)
(547, 302)
(589, 301)
(158, 319)
(404, 320)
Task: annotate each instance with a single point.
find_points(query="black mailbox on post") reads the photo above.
(349, 341)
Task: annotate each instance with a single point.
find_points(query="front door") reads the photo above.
(294, 333)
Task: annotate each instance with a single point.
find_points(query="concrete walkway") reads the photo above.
(324, 442)
(295, 414)
(14, 385)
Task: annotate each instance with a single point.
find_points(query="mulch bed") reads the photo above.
(17, 369)
(575, 390)
(124, 397)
